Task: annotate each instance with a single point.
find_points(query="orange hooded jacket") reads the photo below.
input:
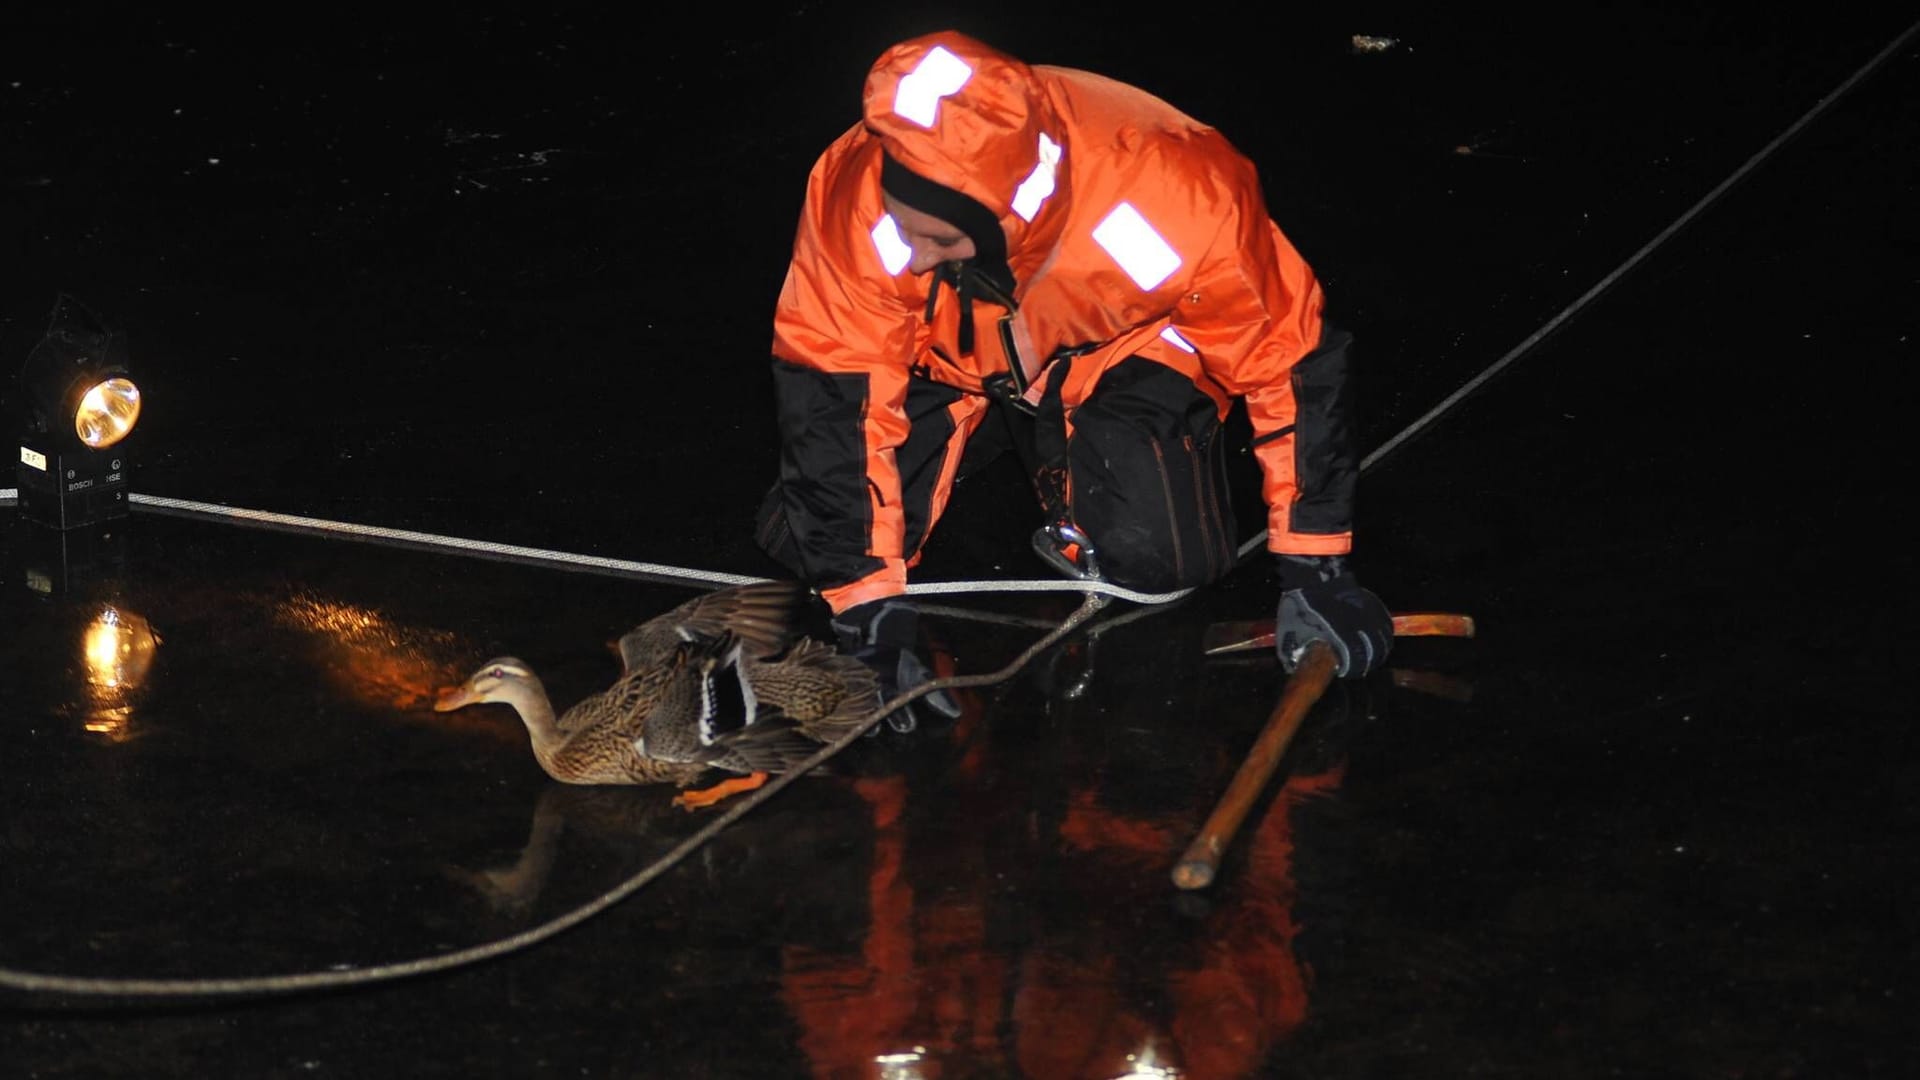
(1131, 229)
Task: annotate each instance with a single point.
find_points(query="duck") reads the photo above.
(727, 682)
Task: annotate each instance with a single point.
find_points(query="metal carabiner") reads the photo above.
(1051, 542)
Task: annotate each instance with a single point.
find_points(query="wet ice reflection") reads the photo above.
(1146, 1066)
(370, 658)
(1091, 972)
(987, 897)
(901, 1066)
(118, 647)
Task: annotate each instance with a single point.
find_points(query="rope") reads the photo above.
(655, 571)
(189, 508)
(267, 985)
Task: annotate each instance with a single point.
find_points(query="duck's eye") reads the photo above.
(498, 673)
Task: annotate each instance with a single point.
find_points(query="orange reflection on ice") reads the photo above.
(858, 1009)
(1249, 990)
(114, 722)
(1142, 844)
(930, 986)
(118, 649)
(373, 660)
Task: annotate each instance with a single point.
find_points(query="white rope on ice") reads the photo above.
(191, 508)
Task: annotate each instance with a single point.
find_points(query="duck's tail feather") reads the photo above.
(858, 690)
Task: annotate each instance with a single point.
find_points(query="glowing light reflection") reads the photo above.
(902, 1066)
(115, 724)
(118, 648)
(1145, 1066)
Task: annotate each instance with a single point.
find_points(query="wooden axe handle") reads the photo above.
(1309, 680)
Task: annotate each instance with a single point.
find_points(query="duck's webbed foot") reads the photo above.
(694, 799)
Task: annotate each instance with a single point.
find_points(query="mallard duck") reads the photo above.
(725, 681)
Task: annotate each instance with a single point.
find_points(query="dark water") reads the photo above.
(507, 278)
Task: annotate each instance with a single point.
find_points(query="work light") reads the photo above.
(79, 403)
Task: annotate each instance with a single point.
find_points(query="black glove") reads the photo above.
(885, 636)
(1322, 601)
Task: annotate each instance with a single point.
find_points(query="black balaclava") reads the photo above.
(959, 210)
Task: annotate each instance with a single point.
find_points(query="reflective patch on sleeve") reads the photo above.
(1139, 250)
(1033, 191)
(938, 74)
(894, 252)
(1173, 338)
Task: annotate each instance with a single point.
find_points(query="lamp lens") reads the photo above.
(106, 413)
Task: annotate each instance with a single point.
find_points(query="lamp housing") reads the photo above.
(78, 404)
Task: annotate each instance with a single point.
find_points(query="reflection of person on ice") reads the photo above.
(1100, 271)
(955, 973)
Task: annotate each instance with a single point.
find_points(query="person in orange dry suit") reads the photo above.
(1098, 268)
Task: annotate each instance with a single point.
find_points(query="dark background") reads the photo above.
(512, 272)
(507, 275)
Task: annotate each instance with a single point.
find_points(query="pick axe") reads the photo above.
(1303, 688)
(1233, 637)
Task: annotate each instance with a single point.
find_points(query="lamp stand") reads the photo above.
(69, 489)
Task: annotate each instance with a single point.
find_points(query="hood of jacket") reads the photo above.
(969, 119)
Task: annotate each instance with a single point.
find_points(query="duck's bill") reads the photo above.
(453, 697)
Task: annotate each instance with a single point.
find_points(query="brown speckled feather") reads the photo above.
(764, 616)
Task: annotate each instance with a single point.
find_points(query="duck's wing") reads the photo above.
(710, 715)
(671, 728)
(764, 616)
(623, 706)
(772, 716)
